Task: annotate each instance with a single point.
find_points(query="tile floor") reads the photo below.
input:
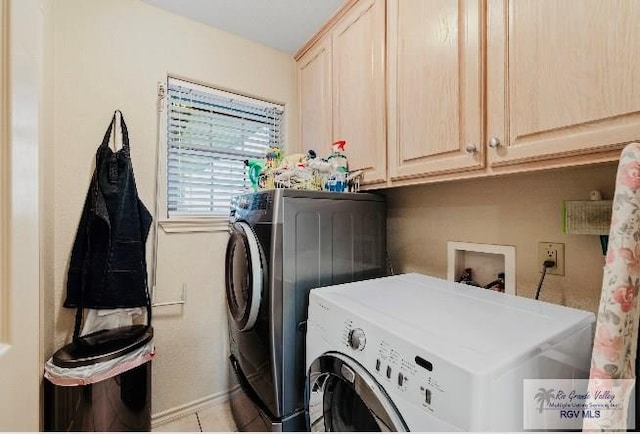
(215, 418)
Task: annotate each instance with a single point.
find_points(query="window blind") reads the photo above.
(210, 133)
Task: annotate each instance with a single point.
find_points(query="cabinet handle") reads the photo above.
(471, 148)
(494, 142)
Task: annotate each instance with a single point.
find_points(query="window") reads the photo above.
(210, 134)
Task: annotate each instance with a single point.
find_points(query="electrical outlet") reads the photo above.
(554, 252)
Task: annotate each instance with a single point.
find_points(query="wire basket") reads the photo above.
(312, 180)
(299, 180)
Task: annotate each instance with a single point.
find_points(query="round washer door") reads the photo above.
(343, 396)
(244, 276)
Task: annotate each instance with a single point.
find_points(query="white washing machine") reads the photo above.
(417, 353)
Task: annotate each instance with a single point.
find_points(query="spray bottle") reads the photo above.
(337, 180)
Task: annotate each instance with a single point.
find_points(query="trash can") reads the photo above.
(102, 382)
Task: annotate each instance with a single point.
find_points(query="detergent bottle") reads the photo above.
(337, 180)
(254, 167)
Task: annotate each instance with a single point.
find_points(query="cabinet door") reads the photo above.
(563, 77)
(314, 92)
(435, 87)
(359, 88)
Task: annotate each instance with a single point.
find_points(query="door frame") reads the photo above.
(21, 79)
(4, 176)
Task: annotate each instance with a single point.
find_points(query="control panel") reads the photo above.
(262, 201)
(256, 204)
(408, 373)
(405, 372)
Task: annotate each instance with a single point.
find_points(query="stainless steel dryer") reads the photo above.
(283, 243)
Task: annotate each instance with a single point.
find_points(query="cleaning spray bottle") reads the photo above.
(337, 180)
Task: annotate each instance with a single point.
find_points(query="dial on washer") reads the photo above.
(357, 339)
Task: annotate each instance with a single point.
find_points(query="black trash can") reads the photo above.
(120, 402)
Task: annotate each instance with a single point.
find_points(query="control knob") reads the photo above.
(357, 339)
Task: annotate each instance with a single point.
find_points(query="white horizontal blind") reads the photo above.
(210, 133)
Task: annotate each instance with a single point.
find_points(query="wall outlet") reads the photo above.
(554, 252)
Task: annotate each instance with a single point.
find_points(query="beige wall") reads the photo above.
(517, 210)
(111, 54)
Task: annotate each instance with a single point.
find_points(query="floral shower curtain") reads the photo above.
(616, 334)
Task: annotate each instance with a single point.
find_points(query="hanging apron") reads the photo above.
(108, 268)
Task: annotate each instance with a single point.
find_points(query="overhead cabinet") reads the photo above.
(435, 83)
(562, 79)
(314, 91)
(342, 90)
(480, 87)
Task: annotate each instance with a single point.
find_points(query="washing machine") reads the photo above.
(283, 243)
(417, 353)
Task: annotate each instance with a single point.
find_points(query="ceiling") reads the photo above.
(281, 24)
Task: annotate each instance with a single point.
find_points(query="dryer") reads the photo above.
(417, 353)
(283, 243)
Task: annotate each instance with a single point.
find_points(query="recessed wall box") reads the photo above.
(486, 261)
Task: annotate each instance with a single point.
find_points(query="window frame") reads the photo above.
(185, 223)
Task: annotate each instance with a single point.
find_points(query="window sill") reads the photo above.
(193, 225)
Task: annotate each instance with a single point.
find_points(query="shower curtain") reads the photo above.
(616, 334)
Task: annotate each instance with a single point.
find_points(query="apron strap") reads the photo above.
(125, 132)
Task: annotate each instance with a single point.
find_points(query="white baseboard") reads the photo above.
(190, 408)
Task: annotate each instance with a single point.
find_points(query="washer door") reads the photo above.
(343, 396)
(244, 276)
